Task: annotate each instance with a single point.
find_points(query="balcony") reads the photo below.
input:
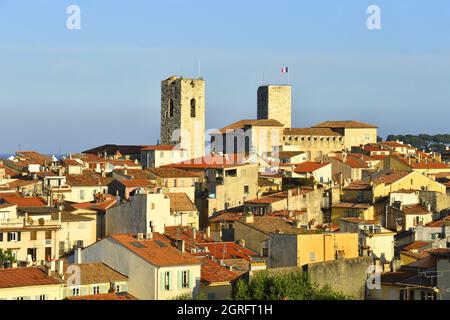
(12, 223)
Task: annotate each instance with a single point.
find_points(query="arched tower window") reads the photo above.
(193, 108)
(171, 108)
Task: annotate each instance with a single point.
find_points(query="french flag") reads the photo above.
(285, 70)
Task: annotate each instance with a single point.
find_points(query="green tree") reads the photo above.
(291, 285)
(6, 257)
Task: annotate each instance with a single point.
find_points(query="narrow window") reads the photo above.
(185, 282)
(193, 108)
(171, 108)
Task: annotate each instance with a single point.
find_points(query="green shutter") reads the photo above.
(180, 280)
(191, 279)
(161, 281)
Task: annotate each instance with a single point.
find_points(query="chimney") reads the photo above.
(194, 233)
(149, 235)
(249, 218)
(428, 206)
(242, 243)
(77, 256)
(208, 232)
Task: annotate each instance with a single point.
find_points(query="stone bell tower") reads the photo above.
(183, 114)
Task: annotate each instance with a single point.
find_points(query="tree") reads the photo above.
(6, 257)
(292, 285)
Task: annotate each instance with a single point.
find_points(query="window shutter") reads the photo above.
(161, 281)
(18, 236)
(191, 279)
(170, 280)
(180, 279)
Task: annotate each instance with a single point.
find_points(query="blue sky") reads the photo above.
(65, 91)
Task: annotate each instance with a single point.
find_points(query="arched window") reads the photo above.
(193, 106)
(171, 108)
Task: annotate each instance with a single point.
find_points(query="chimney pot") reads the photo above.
(78, 259)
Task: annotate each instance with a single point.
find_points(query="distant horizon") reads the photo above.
(65, 91)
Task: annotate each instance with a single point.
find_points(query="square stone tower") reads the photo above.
(183, 114)
(274, 102)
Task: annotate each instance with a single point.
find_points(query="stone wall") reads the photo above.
(439, 201)
(347, 276)
(274, 102)
(182, 93)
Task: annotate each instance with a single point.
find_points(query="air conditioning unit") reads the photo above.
(140, 236)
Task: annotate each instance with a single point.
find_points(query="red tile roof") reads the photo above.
(180, 202)
(416, 245)
(227, 250)
(186, 234)
(161, 147)
(25, 277)
(211, 162)
(310, 166)
(22, 202)
(241, 124)
(212, 272)
(359, 185)
(106, 296)
(310, 132)
(136, 183)
(351, 124)
(158, 251)
(415, 209)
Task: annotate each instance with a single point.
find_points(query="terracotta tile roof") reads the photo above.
(359, 185)
(135, 173)
(352, 161)
(439, 223)
(415, 209)
(379, 157)
(71, 162)
(395, 144)
(390, 177)
(19, 183)
(106, 297)
(161, 147)
(125, 163)
(430, 165)
(136, 183)
(180, 202)
(186, 234)
(288, 154)
(91, 158)
(158, 251)
(35, 157)
(168, 172)
(107, 203)
(262, 182)
(310, 132)
(212, 272)
(359, 221)
(113, 149)
(6, 205)
(309, 166)
(416, 245)
(227, 216)
(241, 124)
(350, 205)
(270, 224)
(211, 162)
(87, 179)
(227, 250)
(24, 201)
(344, 124)
(279, 196)
(95, 273)
(25, 277)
